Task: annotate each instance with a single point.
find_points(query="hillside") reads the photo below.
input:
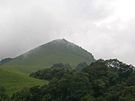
(14, 72)
(57, 51)
(13, 81)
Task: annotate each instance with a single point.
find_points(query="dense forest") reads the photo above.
(103, 80)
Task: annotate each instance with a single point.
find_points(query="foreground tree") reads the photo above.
(3, 95)
(56, 71)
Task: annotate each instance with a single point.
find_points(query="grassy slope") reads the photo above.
(14, 80)
(24, 69)
(58, 51)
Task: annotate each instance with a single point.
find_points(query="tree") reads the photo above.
(3, 95)
(88, 98)
(56, 71)
(23, 95)
(81, 66)
(70, 88)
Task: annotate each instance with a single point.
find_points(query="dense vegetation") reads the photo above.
(109, 80)
(3, 95)
(56, 71)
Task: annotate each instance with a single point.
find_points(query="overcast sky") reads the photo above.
(106, 28)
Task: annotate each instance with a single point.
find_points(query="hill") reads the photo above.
(57, 51)
(14, 72)
(14, 81)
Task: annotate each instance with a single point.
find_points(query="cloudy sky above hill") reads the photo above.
(103, 27)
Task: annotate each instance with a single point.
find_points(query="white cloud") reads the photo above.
(105, 28)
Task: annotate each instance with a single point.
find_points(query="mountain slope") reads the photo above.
(13, 81)
(57, 51)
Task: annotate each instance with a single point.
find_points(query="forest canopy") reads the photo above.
(109, 80)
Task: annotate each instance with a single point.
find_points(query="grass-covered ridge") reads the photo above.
(57, 51)
(14, 80)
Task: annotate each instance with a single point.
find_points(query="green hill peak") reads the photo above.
(56, 51)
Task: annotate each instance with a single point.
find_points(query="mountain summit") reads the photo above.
(56, 51)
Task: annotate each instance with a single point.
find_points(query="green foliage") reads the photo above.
(81, 66)
(31, 94)
(109, 80)
(23, 95)
(56, 71)
(3, 95)
(71, 87)
(88, 98)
